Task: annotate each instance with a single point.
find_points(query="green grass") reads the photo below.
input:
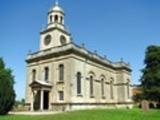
(122, 114)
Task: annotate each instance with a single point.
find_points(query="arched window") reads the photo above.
(91, 86)
(56, 18)
(33, 75)
(79, 83)
(111, 88)
(61, 72)
(102, 87)
(46, 74)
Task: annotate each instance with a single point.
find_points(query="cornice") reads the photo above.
(72, 48)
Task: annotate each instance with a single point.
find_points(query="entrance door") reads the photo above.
(46, 100)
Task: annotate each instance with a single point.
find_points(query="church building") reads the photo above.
(62, 75)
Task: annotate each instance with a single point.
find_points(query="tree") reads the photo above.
(7, 93)
(150, 80)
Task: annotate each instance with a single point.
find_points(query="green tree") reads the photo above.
(150, 80)
(7, 93)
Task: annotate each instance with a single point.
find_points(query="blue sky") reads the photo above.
(116, 28)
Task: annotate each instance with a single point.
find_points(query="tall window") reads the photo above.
(79, 83)
(91, 86)
(111, 89)
(61, 95)
(33, 75)
(102, 87)
(46, 74)
(56, 18)
(61, 72)
(128, 89)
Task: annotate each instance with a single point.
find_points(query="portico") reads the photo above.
(40, 92)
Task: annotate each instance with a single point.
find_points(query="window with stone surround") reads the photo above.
(61, 95)
(102, 87)
(79, 90)
(91, 86)
(61, 72)
(46, 74)
(33, 75)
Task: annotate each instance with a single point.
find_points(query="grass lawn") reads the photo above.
(134, 114)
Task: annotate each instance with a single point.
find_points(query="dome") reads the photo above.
(57, 8)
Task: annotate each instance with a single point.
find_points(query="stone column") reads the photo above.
(32, 102)
(41, 100)
(50, 99)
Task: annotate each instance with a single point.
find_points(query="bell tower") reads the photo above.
(55, 34)
(56, 15)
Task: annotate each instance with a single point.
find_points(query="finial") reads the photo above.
(56, 2)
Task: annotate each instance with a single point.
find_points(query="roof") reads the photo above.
(56, 8)
(73, 48)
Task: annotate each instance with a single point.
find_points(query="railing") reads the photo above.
(80, 49)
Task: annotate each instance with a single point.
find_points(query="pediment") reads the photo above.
(39, 83)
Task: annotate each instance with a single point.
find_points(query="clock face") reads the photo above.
(47, 40)
(63, 40)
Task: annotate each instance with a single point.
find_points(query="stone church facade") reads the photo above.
(64, 76)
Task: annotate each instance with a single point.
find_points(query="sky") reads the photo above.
(115, 28)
